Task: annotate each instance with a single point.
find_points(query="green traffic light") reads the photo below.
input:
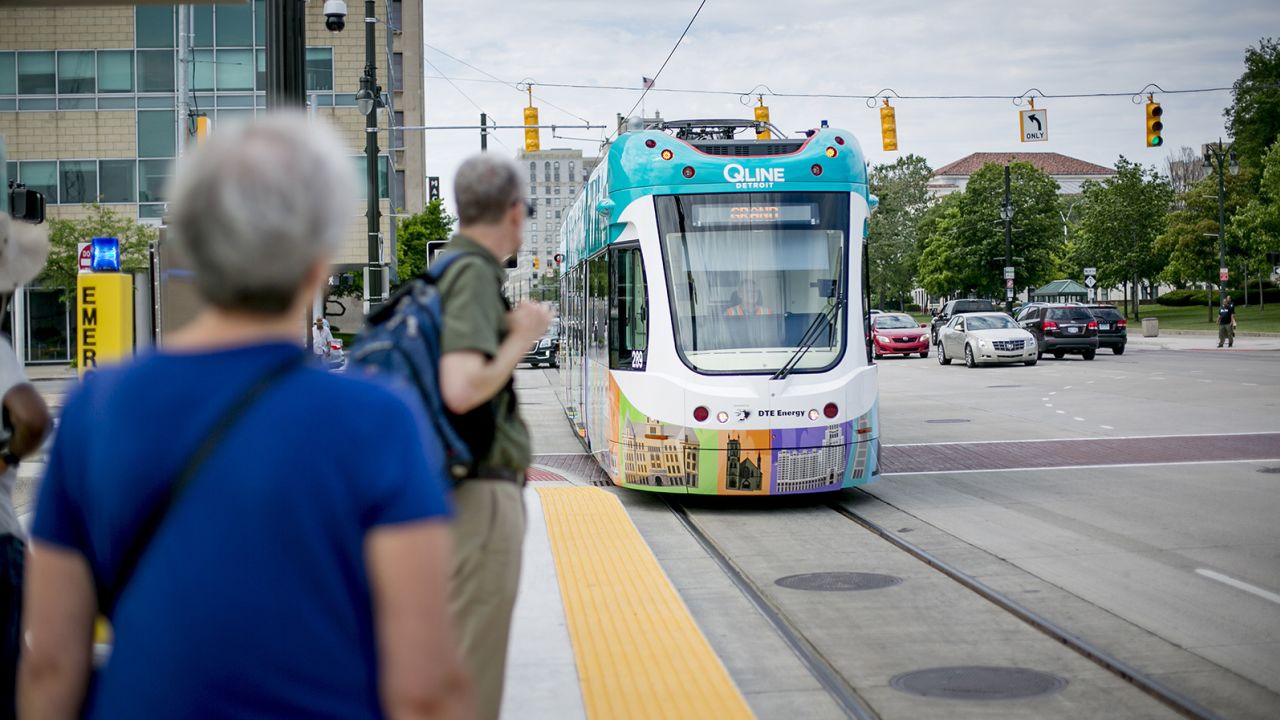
(1155, 141)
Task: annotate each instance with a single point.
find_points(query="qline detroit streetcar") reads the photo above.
(713, 306)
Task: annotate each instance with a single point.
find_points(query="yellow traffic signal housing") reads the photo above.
(535, 263)
(531, 141)
(888, 127)
(1155, 125)
(202, 127)
(762, 116)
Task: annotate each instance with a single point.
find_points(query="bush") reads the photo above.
(912, 308)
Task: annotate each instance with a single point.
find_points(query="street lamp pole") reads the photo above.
(368, 99)
(1006, 212)
(1218, 155)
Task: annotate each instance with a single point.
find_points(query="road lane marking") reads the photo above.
(1067, 387)
(1048, 404)
(1203, 381)
(1077, 467)
(1250, 384)
(1078, 418)
(1106, 427)
(1090, 382)
(1060, 439)
(1239, 585)
(1055, 392)
(1061, 412)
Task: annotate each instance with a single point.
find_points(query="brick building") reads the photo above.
(96, 103)
(1068, 171)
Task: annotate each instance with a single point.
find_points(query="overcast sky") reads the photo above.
(839, 46)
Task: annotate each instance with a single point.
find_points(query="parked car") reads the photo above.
(898, 334)
(954, 308)
(1112, 327)
(982, 338)
(1063, 329)
(546, 351)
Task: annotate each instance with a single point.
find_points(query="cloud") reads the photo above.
(833, 46)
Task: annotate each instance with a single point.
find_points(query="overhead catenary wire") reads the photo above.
(498, 80)
(649, 85)
(468, 98)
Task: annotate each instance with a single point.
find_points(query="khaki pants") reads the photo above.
(1227, 333)
(488, 535)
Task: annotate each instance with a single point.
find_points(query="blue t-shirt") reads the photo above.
(253, 598)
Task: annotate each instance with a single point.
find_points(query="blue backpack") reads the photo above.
(402, 339)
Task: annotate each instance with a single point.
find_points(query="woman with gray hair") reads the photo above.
(244, 573)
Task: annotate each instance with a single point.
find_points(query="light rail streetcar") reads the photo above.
(712, 306)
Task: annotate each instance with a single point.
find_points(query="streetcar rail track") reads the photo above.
(847, 697)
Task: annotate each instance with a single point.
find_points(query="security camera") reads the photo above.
(335, 15)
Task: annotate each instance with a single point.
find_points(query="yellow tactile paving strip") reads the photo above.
(639, 653)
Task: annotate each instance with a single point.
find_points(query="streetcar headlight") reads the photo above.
(722, 416)
(814, 414)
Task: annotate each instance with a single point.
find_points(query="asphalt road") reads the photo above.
(1164, 552)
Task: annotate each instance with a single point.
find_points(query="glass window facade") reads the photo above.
(235, 25)
(115, 71)
(235, 70)
(202, 25)
(202, 70)
(41, 176)
(152, 175)
(397, 70)
(153, 26)
(76, 72)
(319, 69)
(117, 181)
(78, 181)
(155, 71)
(8, 73)
(36, 73)
(157, 133)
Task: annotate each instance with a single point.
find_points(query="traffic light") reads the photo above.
(888, 128)
(535, 263)
(1155, 125)
(762, 116)
(531, 141)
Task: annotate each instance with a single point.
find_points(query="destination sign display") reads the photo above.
(744, 214)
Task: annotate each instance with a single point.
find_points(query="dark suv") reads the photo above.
(546, 351)
(957, 307)
(1112, 327)
(1061, 329)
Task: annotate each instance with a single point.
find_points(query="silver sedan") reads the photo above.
(985, 338)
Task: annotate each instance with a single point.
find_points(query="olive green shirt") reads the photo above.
(475, 319)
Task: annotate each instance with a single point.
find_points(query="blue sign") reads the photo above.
(106, 254)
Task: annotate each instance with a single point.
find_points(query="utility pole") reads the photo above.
(286, 53)
(1216, 156)
(1006, 211)
(484, 132)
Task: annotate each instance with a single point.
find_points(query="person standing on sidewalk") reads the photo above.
(1227, 322)
(26, 422)
(245, 574)
(481, 342)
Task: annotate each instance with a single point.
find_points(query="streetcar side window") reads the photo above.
(629, 313)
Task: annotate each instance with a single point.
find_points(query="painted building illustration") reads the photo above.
(814, 468)
(741, 473)
(654, 455)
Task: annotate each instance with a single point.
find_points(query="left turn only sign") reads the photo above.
(1034, 125)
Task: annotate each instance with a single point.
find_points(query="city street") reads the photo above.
(1107, 496)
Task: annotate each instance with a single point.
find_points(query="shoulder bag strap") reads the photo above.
(109, 591)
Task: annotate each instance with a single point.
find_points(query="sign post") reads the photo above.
(1090, 279)
(104, 309)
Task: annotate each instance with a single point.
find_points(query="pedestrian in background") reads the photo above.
(481, 342)
(322, 339)
(1227, 322)
(24, 423)
(244, 574)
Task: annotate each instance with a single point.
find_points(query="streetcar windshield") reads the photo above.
(755, 276)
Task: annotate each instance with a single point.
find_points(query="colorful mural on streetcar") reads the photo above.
(646, 453)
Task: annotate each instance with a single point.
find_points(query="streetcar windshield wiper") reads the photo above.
(810, 337)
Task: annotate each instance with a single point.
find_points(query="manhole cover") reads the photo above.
(837, 581)
(978, 683)
(947, 421)
(1270, 471)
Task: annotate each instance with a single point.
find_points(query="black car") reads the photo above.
(1062, 329)
(1112, 327)
(957, 307)
(546, 351)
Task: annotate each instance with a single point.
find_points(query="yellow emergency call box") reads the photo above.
(104, 319)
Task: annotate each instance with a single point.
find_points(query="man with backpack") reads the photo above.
(481, 340)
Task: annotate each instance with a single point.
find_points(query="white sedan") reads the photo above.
(985, 338)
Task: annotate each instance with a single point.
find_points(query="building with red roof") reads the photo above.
(1068, 171)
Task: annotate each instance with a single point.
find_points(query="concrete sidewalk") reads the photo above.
(1205, 341)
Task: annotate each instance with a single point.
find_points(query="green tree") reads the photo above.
(1255, 228)
(1119, 222)
(66, 234)
(1253, 120)
(414, 232)
(893, 245)
(1190, 238)
(964, 249)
